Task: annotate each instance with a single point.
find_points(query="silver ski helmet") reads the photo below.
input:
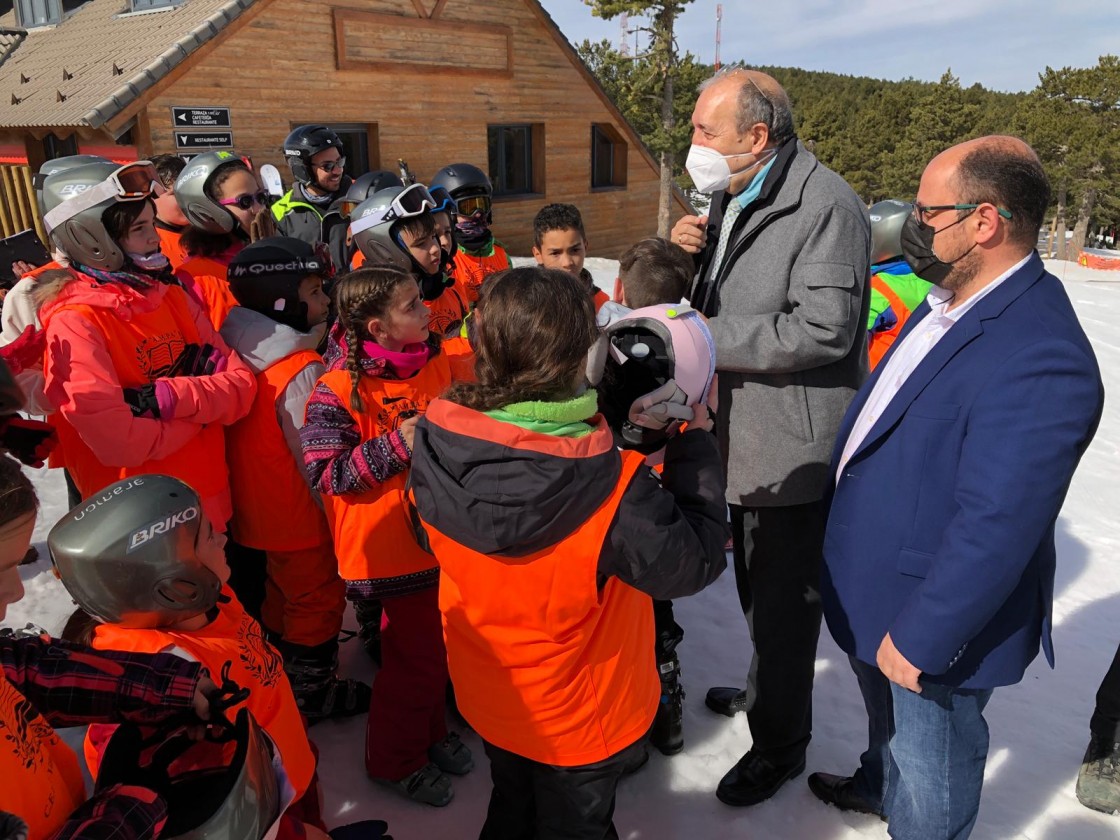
(202, 211)
(265, 277)
(373, 224)
(75, 200)
(59, 165)
(366, 186)
(886, 229)
(211, 790)
(127, 554)
(304, 143)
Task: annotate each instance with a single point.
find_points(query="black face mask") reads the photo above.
(917, 250)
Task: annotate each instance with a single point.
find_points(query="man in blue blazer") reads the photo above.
(950, 469)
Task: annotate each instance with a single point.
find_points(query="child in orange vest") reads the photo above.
(148, 572)
(171, 224)
(281, 319)
(224, 203)
(47, 683)
(357, 445)
(559, 241)
(550, 542)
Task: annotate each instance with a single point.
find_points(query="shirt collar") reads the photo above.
(939, 299)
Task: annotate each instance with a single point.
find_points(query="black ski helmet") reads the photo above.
(463, 180)
(265, 277)
(304, 143)
(364, 187)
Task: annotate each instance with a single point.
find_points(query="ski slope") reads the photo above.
(1039, 728)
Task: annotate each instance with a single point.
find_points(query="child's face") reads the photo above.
(312, 296)
(168, 210)
(15, 537)
(424, 249)
(210, 548)
(443, 231)
(141, 237)
(562, 249)
(405, 321)
(241, 183)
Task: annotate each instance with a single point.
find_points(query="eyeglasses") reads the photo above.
(413, 200)
(330, 166)
(131, 182)
(920, 211)
(473, 204)
(248, 201)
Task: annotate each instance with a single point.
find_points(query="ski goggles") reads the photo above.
(248, 201)
(132, 182)
(444, 202)
(473, 204)
(413, 200)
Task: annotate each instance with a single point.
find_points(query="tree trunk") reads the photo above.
(1081, 229)
(1060, 220)
(665, 199)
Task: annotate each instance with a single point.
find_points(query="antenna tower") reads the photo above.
(624, 42)
(719, 27)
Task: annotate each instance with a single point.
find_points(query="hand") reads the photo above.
(26, 351)
(196, 360)
(690, 233)
(21, 268)
(263, 225)
(408, 430)
(661, 408)
(201, 705)
(895, 666)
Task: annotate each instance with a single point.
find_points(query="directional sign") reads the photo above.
(200, 117)
(196, 140)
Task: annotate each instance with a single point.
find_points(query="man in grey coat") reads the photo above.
(783, 261)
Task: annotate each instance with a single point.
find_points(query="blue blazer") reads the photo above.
(941, 528)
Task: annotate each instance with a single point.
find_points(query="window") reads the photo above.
(608, 157)
(516, 155)
(32, 13)
(56, 147)
(360, 145)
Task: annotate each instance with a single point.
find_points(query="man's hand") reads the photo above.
(691, 233)
(895, 666)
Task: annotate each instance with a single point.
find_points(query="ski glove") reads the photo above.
(30, 441)
(362, 830)
(26, 351)
(154, 401)
(198, 360)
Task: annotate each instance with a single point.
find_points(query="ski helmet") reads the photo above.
(75, 199)
(265, 277)
(366, 186)
(222, 786)
(465, 181)
(304, 143)
(374, 224)
(640, 353)
(58, 165)
(127, 554)
(886, 229)
(202, 211)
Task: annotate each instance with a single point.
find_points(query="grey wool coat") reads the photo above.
(788, 310)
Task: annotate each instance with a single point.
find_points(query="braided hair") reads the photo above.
(360, 295)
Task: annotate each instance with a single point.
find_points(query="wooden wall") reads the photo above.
(494, 61)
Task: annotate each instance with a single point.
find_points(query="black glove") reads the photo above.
(362, 830)
(12, 827)
(30, 441)
(142, 401)
(198, 360)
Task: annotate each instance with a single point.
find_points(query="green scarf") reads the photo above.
(564, 418)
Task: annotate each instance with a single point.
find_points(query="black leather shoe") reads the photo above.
(840, 791)
(754, 779)
(728, 701)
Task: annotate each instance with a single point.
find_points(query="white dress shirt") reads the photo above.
(909, 354)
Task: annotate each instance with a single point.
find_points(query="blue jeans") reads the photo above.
(924, 764)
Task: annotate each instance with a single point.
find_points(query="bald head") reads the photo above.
(756, 97)
(1004, 171)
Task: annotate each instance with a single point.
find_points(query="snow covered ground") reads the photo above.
(1038, 729)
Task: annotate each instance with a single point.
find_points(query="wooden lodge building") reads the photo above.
(491, 82)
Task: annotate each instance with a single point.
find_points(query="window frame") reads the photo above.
(533, 169)
(618, 151)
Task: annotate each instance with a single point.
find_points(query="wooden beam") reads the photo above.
(421, 12)
(438, 9)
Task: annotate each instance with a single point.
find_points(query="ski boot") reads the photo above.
(1098, 782)
(667, 733)
(319, 692)
(368, 613)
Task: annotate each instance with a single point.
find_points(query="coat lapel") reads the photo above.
(958, 337)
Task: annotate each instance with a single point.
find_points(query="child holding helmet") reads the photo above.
(140, 380)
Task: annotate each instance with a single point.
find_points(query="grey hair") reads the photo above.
(754, 106)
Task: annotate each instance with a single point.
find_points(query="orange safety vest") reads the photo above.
(232, 637)
(545, 664)
(142, 348)
(447, 311)
(273, 508)
(372, 531)
(470, 271)
(42, 779)
(880, 342)
(170, 243)
(207, 278)
(599, 297)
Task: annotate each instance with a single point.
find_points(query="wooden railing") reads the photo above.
(18, 209)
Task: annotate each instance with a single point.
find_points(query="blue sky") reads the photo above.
(1002, 44)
